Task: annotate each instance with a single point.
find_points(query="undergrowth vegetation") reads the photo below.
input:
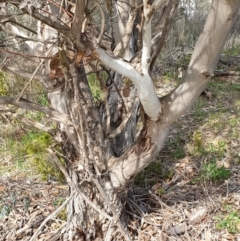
(29, 155)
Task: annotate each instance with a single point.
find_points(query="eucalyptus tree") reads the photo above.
(105, 142)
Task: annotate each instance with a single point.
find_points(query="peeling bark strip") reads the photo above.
(107, 139)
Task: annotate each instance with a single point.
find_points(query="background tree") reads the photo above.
(106, 142)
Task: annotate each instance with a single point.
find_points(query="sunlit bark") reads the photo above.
(102, 150)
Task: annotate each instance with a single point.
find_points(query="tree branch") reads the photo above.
(8, 18)
(78, 21)
(144, 84)
(119, 65)
(157, 4)
(33, 123)
(44, 19)
(23, 74)
(25, 104)
(146, 36)
(165, 22)
(204, 58)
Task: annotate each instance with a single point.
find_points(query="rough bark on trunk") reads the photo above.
(102, 150)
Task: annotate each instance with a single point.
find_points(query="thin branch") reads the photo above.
(30, 80)
(78, 21)
(23, 74)
(51, 216)
(25, 104)
(30, 122)
(102, 22)
(119, 65)
(73, 185)
(146, 37)
(44, 19)
(24, 55)
(8, 18)
(159, 39)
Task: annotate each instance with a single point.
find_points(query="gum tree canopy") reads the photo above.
(106, 142)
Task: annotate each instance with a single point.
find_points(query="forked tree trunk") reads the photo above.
(95, 208)
(97, 171)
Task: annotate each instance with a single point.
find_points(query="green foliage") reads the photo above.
(5, 211)
(178, 153)
(176, 145)
(210, 171)
(62, 214)
(200, 146)
(59, 201)
(36, 142)
(229, 222)
(30, 153)
(36, 150)
(196, 146)
(43, 100)
(234, 51)
(199, 111)
(152, 174)
(95, 88)
(3, 85)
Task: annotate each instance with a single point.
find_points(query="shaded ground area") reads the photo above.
(191, 192)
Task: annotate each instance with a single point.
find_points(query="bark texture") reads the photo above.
(107, 144)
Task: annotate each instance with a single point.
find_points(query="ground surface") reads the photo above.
(191, 192)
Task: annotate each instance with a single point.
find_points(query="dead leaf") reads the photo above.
(156, 186)
(178, 229)
(198, 216)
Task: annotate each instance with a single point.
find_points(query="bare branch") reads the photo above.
(30, 122)
(78, 21)
(24, 55)
(146, 37)
(23, 74)
(158, 3)
(102, 22)
(30, 80)
(25, 104)
(44, 19)
(8, 18)
(159, 40)
(74, 186)
(144, 84)
(118, 65)
(52, 215)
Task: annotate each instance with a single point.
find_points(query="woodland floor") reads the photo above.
(191, 192)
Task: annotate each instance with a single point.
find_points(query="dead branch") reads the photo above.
(74, 186)
(102, 22)
(51, 216)
(25, 104)
(30, 80)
